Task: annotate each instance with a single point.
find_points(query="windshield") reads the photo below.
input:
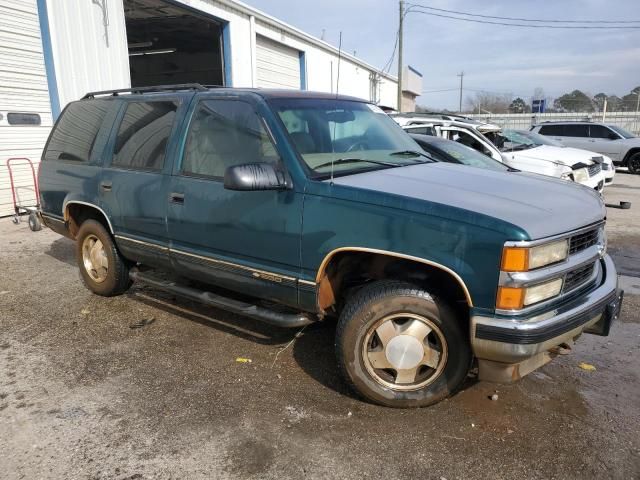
(523, 140)
(454, 152)
(621, 131)
(356, 136)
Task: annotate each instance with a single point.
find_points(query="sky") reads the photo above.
(494, 58)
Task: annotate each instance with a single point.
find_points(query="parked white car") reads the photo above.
(570, 164)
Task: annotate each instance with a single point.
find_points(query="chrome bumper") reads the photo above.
(515, 339)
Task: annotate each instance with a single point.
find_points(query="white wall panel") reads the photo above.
(23, 88)
(84, 60)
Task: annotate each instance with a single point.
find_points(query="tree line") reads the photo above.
(575, 101)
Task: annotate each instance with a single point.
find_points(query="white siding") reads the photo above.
(23, 88)
(278, 66)
(86, 58)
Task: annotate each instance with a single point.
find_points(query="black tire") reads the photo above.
(34, 222)
(116, 279)
(634, 163)
(378, 301)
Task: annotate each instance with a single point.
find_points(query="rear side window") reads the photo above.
(225, 133)
(143, 135)
(576, 131)
(556, 130)
(75, 132)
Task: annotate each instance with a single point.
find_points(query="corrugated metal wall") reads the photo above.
(23, 88)
(278, 66)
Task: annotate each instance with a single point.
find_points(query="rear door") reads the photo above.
(246, 241)
(136, 177)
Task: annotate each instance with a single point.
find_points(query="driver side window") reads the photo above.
(224, 133)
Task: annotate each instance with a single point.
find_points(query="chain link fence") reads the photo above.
(630, 121)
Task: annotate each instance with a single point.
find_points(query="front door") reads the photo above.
(604, 140)
(247, 241)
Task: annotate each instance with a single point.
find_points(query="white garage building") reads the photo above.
(54, 51)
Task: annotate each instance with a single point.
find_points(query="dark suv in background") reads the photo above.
(622, 146)
(292, 207)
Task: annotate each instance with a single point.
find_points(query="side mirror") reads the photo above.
(254, 176)
(613, 136)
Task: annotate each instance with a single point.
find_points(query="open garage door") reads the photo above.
(169, 44)
(278, 66)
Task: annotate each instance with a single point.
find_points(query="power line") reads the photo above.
(560, 27)
(523, 19)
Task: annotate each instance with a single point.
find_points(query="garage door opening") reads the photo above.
(169, 44)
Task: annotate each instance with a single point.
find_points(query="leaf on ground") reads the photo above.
(587, 366)
(84, 311)
(243, 360)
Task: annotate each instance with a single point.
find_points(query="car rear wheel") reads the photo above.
(634, 163)
(399, 346)
(102, 268)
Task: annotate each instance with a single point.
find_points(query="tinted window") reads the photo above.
(143, 135)
(14, 118)
(598, 131)
(75, 132)
(225, 133)
(576, 130)
(556, 130)
(422, 130)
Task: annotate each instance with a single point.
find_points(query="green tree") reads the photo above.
(614, 103)
(599, 99)
(575, 101)
(518, 106)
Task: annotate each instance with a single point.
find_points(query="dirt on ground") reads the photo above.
(149, 386)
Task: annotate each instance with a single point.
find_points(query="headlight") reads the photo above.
(581, 175)
(521, 259)
(511, 298)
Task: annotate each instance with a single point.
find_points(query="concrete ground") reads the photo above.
(146, 386)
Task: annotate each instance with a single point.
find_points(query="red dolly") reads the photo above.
(32, 210)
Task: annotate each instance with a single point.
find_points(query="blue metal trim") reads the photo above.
(303, 70)
(226, 53)
(47, 50)
(414, 70)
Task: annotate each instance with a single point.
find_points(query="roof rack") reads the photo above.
(571, 120)
(157, 88)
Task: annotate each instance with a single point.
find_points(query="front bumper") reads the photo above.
(510, 340)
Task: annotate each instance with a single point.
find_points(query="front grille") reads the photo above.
(583, 241)
(577, 277)
(595, 169)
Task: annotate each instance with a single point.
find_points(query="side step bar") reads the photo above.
(286, 320)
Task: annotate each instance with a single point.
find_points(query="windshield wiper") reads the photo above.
(413, 153)
(341, 161)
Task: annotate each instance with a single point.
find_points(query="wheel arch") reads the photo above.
(332, 275)
(77, 211)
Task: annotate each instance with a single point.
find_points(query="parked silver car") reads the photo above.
(622, 146)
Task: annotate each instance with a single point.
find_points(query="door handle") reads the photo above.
(176, 197)
(106, 186)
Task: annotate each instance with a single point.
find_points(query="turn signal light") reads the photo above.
(515, 259)
(510, 298)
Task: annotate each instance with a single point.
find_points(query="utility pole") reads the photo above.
(637, 108)
(400, 35)
(461, 75)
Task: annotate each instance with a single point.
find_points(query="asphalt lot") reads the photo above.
(147, 386)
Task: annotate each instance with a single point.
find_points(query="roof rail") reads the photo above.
(570, 120)
(157, 88)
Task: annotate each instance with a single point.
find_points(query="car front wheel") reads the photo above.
(634, 163)
(399, 346)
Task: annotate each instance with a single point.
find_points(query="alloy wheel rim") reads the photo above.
(94, 258)
(404, 351)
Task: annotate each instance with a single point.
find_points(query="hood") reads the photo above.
(541, 206)
(632, 142)
(563, 155)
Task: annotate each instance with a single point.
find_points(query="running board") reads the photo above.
(286, 320)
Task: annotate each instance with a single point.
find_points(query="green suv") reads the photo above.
(297, 207)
